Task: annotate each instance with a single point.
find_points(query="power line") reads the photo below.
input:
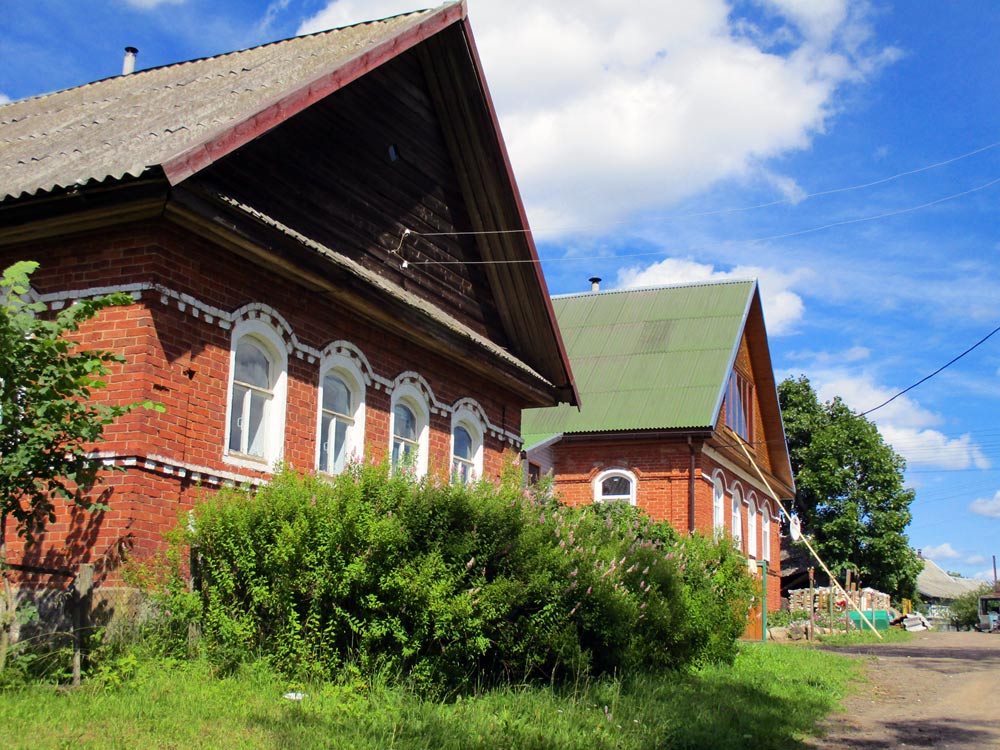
(924, 379)
(749, 241)
(741, 209)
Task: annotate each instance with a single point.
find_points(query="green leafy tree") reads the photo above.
(849, 490)
(964, 610)
(48, 422)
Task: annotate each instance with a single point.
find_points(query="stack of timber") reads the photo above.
(865, 599)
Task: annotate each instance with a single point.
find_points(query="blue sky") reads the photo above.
(845, 153)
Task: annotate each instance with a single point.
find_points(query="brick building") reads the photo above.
(296, 224)
(677, 389)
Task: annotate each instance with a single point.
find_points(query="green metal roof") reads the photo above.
(646, 359)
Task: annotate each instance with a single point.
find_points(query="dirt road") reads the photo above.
(940, 690)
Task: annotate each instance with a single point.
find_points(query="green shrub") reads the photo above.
(964, 610)
(451, 587)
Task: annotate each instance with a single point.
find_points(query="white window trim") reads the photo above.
(413, 397)
(346, 369)
(752, 525)
(718, 505)
(609, 473)
(465, 417)
(274, 430)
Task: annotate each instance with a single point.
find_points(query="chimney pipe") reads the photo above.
(128, 64)
(595, 283)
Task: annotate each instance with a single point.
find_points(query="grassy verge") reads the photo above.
(864, 638)
(771, 698)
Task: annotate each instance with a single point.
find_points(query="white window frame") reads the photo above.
(467, 418)
(271, 341)
(718, 505)
(412, 397)
(598, 482)
(765, 531)
(736, 516)
(345, 369)
(752, 525)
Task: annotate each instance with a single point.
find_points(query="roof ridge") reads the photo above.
(657, 287)
(221, 55)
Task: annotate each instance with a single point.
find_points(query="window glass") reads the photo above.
(718, 506)
(737, 521)
(739, 400)
(253, 366)
(752, 528)
(404, 437)
(462, 469)
(335, 424)
(765, 533)
(252, 393)
(614, 488)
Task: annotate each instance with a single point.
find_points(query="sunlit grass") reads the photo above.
(772, 697)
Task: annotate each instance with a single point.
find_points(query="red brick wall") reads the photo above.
(178, 354)
(662, 471)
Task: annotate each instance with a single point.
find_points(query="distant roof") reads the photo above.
(934, 583)
(182, 117)
(646, 359)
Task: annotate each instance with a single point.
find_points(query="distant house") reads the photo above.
(935, 586)
(306, 230)
(676, 388)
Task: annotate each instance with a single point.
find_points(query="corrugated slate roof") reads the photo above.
(646, 359)
(935, 583)
(122, 126)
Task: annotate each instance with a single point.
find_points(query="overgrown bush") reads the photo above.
(453, 587)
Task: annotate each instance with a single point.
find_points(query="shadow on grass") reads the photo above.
(707, 711)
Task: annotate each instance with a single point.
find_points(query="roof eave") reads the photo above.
(573, 393)
(224, 141)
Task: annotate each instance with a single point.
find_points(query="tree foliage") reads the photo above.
(964, 609)
(48, 422)
(849, 490)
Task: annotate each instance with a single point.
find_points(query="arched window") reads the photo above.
(466, 444)
(752, 525)
(409, 429)
(737, 521)
(341, 414)
(718, 505)
(255, 424)
(765, 532)
(615, 485)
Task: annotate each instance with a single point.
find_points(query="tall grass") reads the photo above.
(770, 698)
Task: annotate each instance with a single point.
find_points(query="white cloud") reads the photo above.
(975, 560)
(904, 424)
(985, 507)
(4, 98)
(984, 575)
(631, 109)
(941, 552)
(783, 308)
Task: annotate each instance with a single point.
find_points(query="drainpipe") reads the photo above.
(691, 488)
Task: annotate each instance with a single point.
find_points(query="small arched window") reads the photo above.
(409, 430)
(256, 421)
(718, 505)
(462, 466)
(752, 525)
(615, 485)
(340, 425)
(466, 443)
(737, 520)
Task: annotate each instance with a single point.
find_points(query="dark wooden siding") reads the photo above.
(327, 174)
